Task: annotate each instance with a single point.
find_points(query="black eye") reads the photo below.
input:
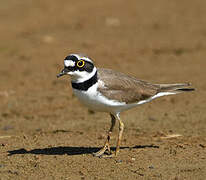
(80, 63)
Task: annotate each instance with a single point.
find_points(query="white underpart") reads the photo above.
(129, 106)
(69, 63)
(156, 96)
(96, 101)
(81, 76)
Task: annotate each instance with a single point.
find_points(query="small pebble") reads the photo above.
(133, 159)
(118, 161)
(48, 39)
(151, 167)
(112, 22)
(7, 127)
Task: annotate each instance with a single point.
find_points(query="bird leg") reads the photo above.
(106, 144)
(121, 129)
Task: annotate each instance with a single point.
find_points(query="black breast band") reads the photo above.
(84, 86)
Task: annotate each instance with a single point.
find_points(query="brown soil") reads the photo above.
(45, 133)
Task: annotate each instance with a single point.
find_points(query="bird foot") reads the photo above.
(111, 155)
(105, 151)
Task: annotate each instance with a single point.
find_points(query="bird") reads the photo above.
(112, 92)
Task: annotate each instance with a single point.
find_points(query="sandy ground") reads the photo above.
(45, 133)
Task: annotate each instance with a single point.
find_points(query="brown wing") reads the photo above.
(124, 88)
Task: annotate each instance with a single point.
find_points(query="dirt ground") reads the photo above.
(45, 132)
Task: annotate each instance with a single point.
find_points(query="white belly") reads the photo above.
(95, 101)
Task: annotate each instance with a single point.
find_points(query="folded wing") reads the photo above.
(124, 88)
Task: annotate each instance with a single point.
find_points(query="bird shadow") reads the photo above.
(70, 150)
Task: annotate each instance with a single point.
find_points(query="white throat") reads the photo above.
(81, 76)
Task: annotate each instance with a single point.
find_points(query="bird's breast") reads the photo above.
(93, 99)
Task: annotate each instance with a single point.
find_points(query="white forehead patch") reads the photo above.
(68, 63)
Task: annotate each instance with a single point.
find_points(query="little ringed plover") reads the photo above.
(113, 92)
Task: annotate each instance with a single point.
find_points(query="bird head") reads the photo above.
(79, 67)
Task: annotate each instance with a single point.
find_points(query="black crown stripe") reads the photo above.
(84, 86)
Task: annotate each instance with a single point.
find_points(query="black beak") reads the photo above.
(62, 73)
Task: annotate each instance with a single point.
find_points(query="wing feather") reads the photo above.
(124, 88)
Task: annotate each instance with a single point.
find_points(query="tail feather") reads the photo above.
(176, 88)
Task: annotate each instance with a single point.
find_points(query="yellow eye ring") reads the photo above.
(80, 63)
